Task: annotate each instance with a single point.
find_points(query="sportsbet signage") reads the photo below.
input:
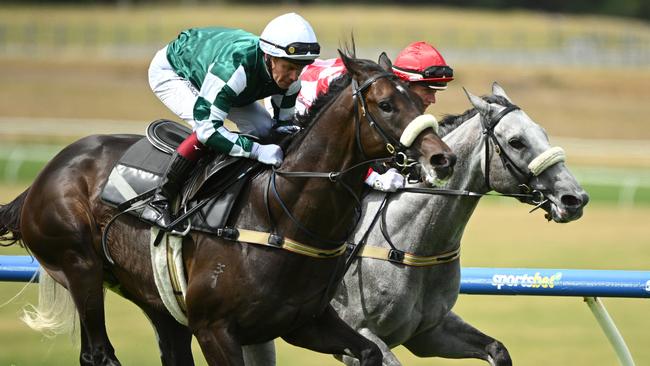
(526, 280)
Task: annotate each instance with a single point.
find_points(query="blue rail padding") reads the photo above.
(479, 281)
(555, 282)
(17, 268)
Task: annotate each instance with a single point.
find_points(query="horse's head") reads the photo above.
(522, 159)
(390, 121)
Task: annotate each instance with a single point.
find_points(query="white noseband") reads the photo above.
(544, 160)
(419, 124)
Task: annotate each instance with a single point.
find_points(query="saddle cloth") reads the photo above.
(217, 178)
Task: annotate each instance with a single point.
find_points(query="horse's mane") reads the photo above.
(324, 101)
(451, 122)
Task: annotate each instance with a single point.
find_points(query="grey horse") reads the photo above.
(402, 293)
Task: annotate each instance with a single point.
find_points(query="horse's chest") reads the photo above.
(405, 299)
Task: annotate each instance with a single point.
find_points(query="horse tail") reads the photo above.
(10, 220)
(56, 313)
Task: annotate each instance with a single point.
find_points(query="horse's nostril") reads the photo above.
(442, 160)
(571, 201)
(439, 160)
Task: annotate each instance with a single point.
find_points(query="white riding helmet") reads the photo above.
(290, 36)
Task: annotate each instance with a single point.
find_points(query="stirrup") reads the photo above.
(181, 233)
(187, 229)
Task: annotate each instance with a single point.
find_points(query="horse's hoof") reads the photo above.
(499, 354)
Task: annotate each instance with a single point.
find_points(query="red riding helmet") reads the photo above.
(421, 62)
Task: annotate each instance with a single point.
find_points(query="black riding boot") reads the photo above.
(159, 209)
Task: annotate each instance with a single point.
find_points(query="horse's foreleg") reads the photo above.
(219, 346)
(454, 338)
(389, 357)
(85, 356)
(327, 333)
(262, 354)
(174, 339)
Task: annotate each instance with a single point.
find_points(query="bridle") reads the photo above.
(523, 176)
(358, 98)
(394, 147)
(527, 194)
(488, 131)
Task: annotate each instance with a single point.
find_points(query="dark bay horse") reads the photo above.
(237, 294)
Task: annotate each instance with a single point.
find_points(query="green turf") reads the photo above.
(537, 331)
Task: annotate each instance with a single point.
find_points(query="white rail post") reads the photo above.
(612, 333)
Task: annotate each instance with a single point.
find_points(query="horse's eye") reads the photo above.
(516, 143)
(386, 107)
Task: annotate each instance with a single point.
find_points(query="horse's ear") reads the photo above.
(478, 103)
(498, 90)
(385, 62)
(349, 63)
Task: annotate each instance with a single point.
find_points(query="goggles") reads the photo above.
(431, 72)
(297, 48)
(438, 72)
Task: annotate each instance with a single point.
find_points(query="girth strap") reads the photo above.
(271, 240)
(398, 256)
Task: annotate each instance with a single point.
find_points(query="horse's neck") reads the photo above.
(467, 142)
(441, 220)
(329, 146)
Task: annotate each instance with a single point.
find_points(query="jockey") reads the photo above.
(419, 64)
(208, 74)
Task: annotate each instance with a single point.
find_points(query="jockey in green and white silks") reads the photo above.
(209, 74)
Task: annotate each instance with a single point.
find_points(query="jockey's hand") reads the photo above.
(390, 181)
(286, 129)
(268, 154)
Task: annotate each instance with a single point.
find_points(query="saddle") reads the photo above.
(209, 194)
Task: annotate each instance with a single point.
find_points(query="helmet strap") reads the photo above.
(267, 62)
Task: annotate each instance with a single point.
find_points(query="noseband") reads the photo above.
(536, 167)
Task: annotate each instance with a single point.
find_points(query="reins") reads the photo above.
(464, 193)
(334, 176)
(527, 194)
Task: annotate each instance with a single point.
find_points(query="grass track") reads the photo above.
(500, 234)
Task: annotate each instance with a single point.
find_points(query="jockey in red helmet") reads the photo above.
(424, 68)
(419, 64)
